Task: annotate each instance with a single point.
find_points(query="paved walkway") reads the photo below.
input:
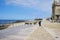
(40, 34)
(49, 31)
(52, 28)
(17, 33)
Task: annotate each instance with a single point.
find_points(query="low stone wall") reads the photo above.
(16, 24)
(50, 24)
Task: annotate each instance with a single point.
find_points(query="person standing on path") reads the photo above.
(39, 23)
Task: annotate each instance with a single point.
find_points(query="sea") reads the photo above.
(7, 21)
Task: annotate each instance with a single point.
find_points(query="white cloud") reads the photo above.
(43, 5)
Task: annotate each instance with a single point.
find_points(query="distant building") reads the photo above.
(56, 10)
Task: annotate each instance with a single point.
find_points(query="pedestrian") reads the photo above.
(39, 23)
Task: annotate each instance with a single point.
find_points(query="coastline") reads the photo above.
(4, 26)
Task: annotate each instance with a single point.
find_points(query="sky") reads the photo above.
(25, 9)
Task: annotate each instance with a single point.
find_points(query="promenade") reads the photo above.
(52, 28)
(40, 34)
(47, 31)
(20, 32)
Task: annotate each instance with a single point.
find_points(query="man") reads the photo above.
(39, 23)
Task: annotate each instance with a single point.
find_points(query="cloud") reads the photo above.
(43, 5)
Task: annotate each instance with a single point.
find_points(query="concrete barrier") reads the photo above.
(16, 24)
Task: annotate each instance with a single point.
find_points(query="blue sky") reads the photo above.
(25, 9)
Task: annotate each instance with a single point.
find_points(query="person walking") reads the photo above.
(39, 23)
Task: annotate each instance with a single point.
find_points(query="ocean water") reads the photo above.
(7, 21)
